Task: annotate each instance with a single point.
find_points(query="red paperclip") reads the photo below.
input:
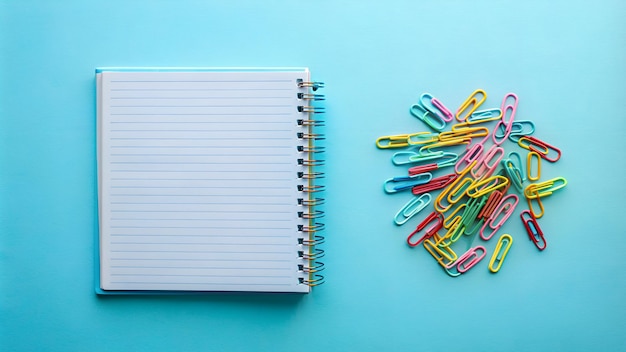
(430, 232)
(423, 168)
(504, 207)
(471, 257)
(534, 231)
(532, 142)
(434, 184)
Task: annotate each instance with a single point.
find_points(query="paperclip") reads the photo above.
(461, 131)
(444, 251)
(448, 115)
(470, 215)
(411, 208)
(434, 184)
(506, 208)
(470, 258)
(517, 130)
(403, 183)
(452, 229)
(539, 203)
(434, 216)
(396, 141)
(508, 111)
(529, 160)
(408, 157)
(484, 115)
(460, 190)
(435, 122)
(456, 230)
(438, 206)
(470, 105)
(502, 248)
(422, 168)
(492, 202)
(482, 169)
(529, 142)
(513, 172)
(545, 188)
(472, 154)
(534, 231)
(445, 143)
(422, 138)
(435, 107)
(450, 218)
(438, 254)
(487, 185)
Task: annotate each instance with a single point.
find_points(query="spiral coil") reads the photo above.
(310, 228)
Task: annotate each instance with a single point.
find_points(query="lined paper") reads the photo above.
(198, 181)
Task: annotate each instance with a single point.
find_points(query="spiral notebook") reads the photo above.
(207, 180)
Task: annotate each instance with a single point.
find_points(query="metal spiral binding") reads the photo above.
(309, 187)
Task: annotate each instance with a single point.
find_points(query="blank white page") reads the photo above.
(198, 186)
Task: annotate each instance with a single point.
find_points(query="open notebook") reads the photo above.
(206, 180)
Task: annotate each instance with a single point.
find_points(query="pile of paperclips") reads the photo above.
(474, 198)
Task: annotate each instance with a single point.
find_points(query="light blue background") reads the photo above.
(565, 60)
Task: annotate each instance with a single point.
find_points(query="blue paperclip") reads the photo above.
(403, 183)
(429, 118)
(485, 115)
(411, 208)
(517, 130)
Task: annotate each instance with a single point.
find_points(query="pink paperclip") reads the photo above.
(471, 257)
(482, 168)
(447, 114)
(508, 125)
(470, 156)
(505, 207)
(430, 232)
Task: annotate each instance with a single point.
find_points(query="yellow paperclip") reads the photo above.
(439, 255)
(450, 219)
(470, 105)
(499, 253)
(460, 190)
(530, 204)
(461, 131)
(396, 141)
(529, 167)
(544, 189)
(438, 206)
(446, 143)
(477, 190)
(422, 138)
